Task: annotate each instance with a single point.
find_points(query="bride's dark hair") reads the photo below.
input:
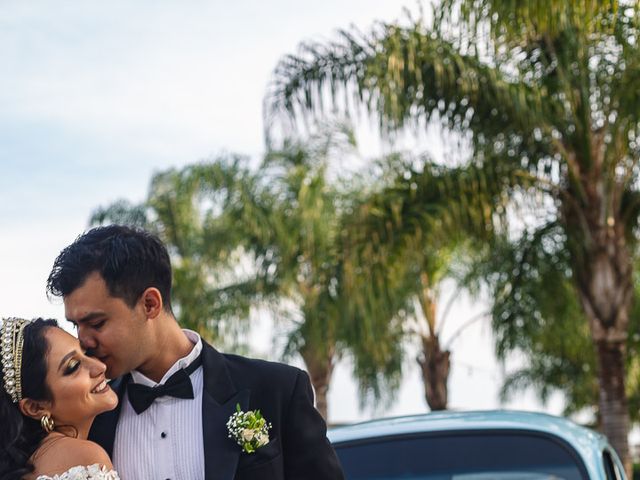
(20, 436)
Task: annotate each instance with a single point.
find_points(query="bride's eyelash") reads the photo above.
(72, 366)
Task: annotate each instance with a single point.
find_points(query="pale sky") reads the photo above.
(96, 96)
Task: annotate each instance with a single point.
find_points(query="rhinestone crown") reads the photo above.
(11, 344)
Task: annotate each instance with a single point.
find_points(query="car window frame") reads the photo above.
(618, 470)
(573, 452)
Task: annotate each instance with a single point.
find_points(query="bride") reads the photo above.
(50, 392)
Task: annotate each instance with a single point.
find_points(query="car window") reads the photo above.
(465, 456)
(610, 466)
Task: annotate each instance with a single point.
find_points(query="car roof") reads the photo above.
(581, 438)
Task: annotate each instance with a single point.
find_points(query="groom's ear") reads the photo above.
(34, 408)
(152, 302)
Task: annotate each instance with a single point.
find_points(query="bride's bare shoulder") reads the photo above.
(57, 455)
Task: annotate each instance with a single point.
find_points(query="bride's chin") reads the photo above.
(113, 400)
(109, 402)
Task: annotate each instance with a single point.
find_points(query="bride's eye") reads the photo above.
(72, 366)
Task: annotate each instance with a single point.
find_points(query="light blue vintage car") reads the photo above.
(488, 445)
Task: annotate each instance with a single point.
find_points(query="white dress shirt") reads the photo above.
(165, 441)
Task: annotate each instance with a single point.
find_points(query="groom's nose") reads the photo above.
(96, 367)
(87, 341)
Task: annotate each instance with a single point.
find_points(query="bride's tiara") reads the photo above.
(11, 344)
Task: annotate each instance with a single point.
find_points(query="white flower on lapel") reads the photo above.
(249, 429)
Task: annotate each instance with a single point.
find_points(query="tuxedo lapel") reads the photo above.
(219, 400)
(103, 430)
(221, 454)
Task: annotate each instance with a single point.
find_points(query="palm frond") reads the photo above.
(520, 21)
(404, 74)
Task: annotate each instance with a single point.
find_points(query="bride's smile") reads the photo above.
(51, 392)
(77, 383)
(102, 387)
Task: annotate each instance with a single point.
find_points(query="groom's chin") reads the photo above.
(113, 372)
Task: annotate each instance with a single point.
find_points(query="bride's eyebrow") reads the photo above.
(65, 358)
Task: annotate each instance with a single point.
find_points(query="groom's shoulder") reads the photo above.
(260, 365)
(262, 371)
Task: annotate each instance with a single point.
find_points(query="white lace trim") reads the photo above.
(91, 472)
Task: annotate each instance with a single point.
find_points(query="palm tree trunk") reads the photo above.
(433, 361)
(606, 298)
(613, 403)
(435, 365)
(320, 368)
(603, 274)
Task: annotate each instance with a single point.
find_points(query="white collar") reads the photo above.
(183, 362)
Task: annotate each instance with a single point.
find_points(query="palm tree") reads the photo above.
(287, 216)
(547, 96)
(403, 240)
(537, 312)
(242, 237)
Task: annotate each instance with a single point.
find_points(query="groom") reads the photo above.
(176, 391)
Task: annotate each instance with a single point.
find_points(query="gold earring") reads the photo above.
(47, 423)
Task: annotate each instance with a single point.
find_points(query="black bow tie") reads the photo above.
(177, 385)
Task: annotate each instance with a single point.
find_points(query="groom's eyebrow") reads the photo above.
(88, 317)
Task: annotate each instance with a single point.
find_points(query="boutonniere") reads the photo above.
(249, 429)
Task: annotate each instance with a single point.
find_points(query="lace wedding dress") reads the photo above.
(91, 472)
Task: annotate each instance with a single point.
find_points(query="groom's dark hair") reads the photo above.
(130, 260)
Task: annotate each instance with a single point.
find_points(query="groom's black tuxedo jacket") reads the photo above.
(298, 447)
